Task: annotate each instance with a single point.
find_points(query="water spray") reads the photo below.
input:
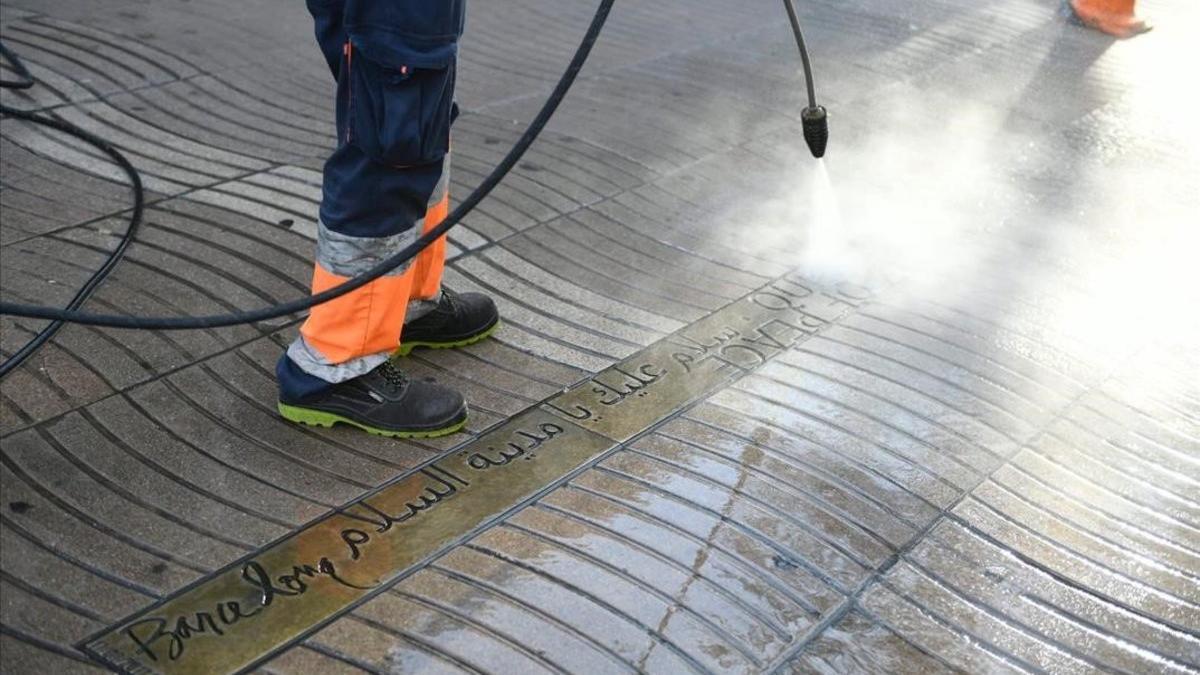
(814, 117)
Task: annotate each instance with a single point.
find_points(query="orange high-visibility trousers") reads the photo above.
(369, 321)
(386, 183)
(1115, 17)
(351, 335)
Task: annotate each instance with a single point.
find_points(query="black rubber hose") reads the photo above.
(135, 218)
(814, 118)
(26, 80)
(794, 18)
(468, 204)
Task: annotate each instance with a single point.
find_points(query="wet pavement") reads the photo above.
(931, 406)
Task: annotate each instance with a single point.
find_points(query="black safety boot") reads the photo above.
(459, 320)
(384, 402)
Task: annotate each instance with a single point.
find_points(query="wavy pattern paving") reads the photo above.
(994, 466)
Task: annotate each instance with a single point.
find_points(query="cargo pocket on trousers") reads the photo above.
(400, 114)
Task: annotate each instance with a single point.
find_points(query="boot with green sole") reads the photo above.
(384, 402)
(460, 319)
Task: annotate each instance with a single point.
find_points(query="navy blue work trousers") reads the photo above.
(385, 184)
(395, 62)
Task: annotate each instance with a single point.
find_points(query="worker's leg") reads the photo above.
(438, 317)
(1115, 17)
(386, 176)
(427, 268)
(329, 24)
(351, 335)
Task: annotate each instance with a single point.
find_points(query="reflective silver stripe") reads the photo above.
(312, 362)
(419, 308)
(348, 256)
(443, 186)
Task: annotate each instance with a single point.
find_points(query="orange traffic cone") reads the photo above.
(1115, 17)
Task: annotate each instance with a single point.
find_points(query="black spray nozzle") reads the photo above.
(816, 129)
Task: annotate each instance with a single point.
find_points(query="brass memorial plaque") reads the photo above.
(630, 397)
(236, 618)
(231, 620)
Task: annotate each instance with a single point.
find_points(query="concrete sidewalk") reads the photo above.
(929, 406)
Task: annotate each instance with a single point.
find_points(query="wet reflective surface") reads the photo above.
(930, 406)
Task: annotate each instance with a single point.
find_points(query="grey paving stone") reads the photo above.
(1160, 605)
(548, 253)
(604, 626)
(548, 336)
(553, 644)
(830, 525)
(858, 644)
(827, 495)
(92, 591)
(1062, 614)
(305, 659)
(851, 425)
(807, 588)
(913, 477)
(901, 365)
(377, 648)
(861, 478)
(577, 294)
(151, 439)
(29, 614)
(29, 656)
(800, 540)
(529, 296)
(686, 631)
(71, 533)
(752, 586)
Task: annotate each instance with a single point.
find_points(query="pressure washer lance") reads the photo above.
(816, 129)
(816, 134)
(814, 118)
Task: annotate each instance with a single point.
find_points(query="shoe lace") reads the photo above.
(393, 376)
(451, 300)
